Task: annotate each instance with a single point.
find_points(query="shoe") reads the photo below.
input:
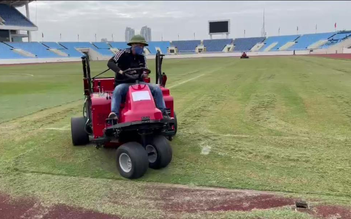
(113, 118)
(112, 115)
(166, 117)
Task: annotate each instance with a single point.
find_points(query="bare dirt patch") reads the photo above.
(30, 208)
(196, 200)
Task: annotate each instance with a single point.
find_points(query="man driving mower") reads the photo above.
(126, 59)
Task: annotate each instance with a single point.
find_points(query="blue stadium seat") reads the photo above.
(119, 45)
(281, 40)
(7, 53)
(103, 48)
(186, 46)
(336, 39)
(72, 52)
(13, 17)
(39, 50)
(308, 39)
(101, 45)
(216, 45)
(245, 44)
(53, 45)
(163, 45)
(71, 48)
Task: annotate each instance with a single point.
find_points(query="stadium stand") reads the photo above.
(12, 17)
(216, 45)
(163, 45)
(101, 45)
(245, 44)
(119, 45)
(308, 39)
(103, 48)
(336, 39)
(71, 47)
(52, 45)
(7, 53)
(39, 50)
(186, 46)
(277, 42)
(72, 52)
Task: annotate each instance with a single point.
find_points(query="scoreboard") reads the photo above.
(218, 27)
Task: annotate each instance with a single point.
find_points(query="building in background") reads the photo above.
(146, 33)
(129, 34)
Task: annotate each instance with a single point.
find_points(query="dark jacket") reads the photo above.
(124, 60)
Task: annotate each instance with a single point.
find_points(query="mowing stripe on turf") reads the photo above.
(214, 70)
(183, 82)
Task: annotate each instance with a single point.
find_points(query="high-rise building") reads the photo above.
(129, 34)
(146, 33)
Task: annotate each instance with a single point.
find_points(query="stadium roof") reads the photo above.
(15, 3)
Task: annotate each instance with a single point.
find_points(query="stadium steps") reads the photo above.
(257, 47)
(21, 51)
(228, 48)
(338, 48)
(306, 40)
(24, 53)
(8, 53)
(317, 44)
(246, 44)
(32, 48)
(271, 46)
(59, 52)
(286, 46)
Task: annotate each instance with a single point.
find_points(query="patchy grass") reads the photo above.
(273, 124)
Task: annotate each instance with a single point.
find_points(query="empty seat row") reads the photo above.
(12, 17)
(245, 44)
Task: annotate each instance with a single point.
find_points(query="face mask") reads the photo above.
(138, 50)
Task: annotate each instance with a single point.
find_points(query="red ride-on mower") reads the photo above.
(141, 133)
(244, 56)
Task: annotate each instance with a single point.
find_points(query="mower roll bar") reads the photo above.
(160, 76)
(86, 76)
(159, 59)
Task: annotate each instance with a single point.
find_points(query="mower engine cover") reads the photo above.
(139, 105)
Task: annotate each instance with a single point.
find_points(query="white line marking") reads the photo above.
(186, 81)
(29, 75)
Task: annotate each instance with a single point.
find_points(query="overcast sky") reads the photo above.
(184, 18)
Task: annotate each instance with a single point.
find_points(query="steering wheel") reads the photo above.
(135, 73)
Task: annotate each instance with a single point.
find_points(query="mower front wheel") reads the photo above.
(159, 152)
(132, 160)
(79, 135)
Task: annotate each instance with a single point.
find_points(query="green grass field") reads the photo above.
(271, 124)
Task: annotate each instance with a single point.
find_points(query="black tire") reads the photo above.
(163, 152)
(175, 124)
(138, 159)
(79, 135)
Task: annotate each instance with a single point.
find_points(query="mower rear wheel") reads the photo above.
(132, 160)
(159, 152)
(79, 135)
